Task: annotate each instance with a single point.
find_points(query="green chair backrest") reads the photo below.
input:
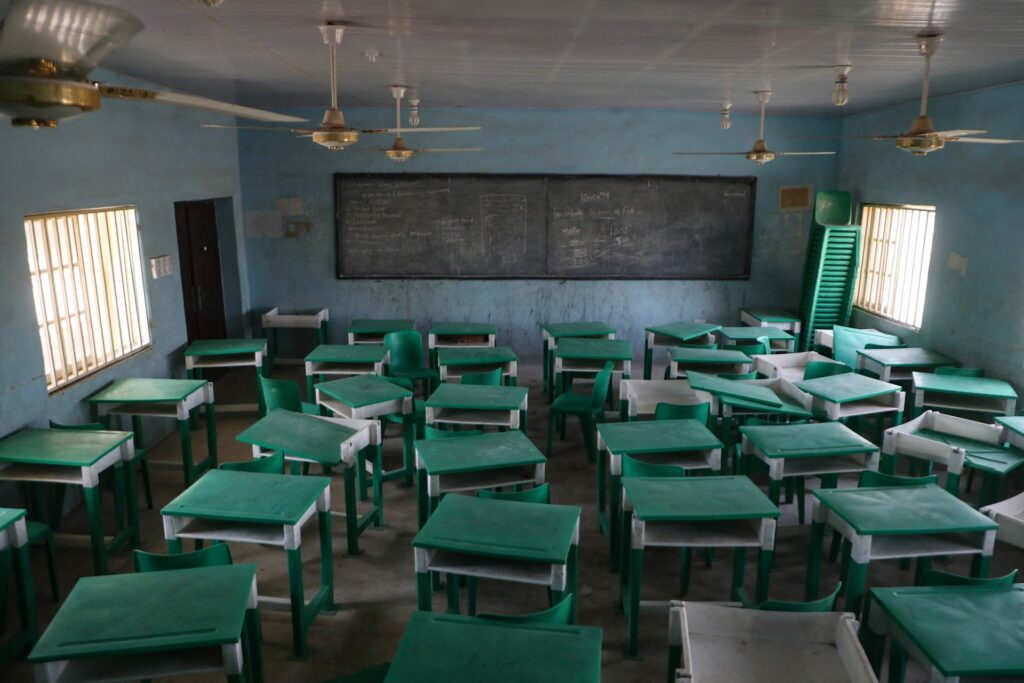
(820, 368)
(738, 375)
(870, 478)
(934, 577)
(560, 614)
(885, 346)
(405, 350)
(489, 378)
(825, 604)
(631, 467)
(89, 426)
(538, 494)
(846, 341)
(764, 342)
(217, 555)
(833, 207)
(962, 372)
(433, 433)
(279, 394)
(675, 411)
(403, 382)
(272, 464)
(602, 384)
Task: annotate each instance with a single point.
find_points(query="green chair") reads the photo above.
(589, 410)
(820, 368)
(934, 577)
(739, 375)
(272, 464)
(631, 467)
(375, 674)
(559, 614)
(674, 411)
(433, 433)
(488, 378)
(825, 604)
(140, 456)
(282, 394)
(40, 534)
(961, 372)
(540, 495)
(406, 359)
(795, 485)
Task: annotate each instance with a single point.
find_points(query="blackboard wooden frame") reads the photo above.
(339, 178)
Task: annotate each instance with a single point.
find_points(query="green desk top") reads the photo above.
(445, 648)
(1014, 424)
(559, 330)
(900, 510)
(980, 455)
(124, 614)
(299, 435)
(595, 349)
(697, 498)
(747, 333)
(846, 388)
(964, 632)
(807, 440)
(61, 447)
(908, 357)
(451, 329)
(657, 436)
(9, 516)
(477, 397)
(148, 391)
(787, 407)
(475, 355)
(733, 388)
(773, 315)
(688, 356)
(232, 496)
(684, 330)
(362, 390)
(475, 453)
(380, 326)
(225, 347)
(501, 529)
(345, 353)
(985, 387)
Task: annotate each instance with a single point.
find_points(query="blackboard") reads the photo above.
(531, 226)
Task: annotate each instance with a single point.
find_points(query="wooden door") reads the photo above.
(200, 270)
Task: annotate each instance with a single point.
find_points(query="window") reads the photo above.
(86, 269)
(897, 246)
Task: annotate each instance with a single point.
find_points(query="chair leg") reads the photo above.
(51, 565)
(551, 431)
(144, 470)
(801, 492)
(833, 550)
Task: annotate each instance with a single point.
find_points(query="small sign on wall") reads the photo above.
(795, 198)
(160, 266)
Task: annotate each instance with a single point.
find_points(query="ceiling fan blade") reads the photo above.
(195, 101)
(304, 131)
(805, 154)
(713, 154)
(987, 141)
(450, 149)
(61, 38)
(872, 137)
(959, 133)
(453, 129)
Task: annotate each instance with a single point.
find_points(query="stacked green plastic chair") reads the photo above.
(830, 270)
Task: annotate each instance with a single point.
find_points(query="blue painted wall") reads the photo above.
(298, 272)
(977, 316)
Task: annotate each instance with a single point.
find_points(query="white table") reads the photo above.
(639, 397)
(789, 366)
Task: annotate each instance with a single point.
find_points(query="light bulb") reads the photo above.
(414, 112)
(726, 121)
(840, 95)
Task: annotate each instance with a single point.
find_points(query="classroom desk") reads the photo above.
(771, 317)
(735, 409)
(822, 449)
(155, 625)
(477, 406)
(344, 360)
(471, 463)
(851, 395)
(446, 335)
(368, 397)
(171, 398)
(446, 648)
(265, 509)
(674, 334)
(225, 353)
(328, 442)
(498, 539)
(373, 331)
(714, 361)
(641, 396)
(1013, 430)
(589, 356)
(454, 362)
(730, 644)
(970, 394)
(894, 365)
(826, 338)
(78, 458)
(779, 339)
(14, 549)
(955, 633)
(896, 522)
(552, 333)
(687, 513)
(273, 320)
(685, 443)
(789, 366)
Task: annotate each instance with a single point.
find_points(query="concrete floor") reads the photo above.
(376, 591)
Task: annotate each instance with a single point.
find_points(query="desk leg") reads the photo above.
(980, 565)
(99, 549)
(26, 593)
(140, 458)
(421, 497)
(299, 645)
(351, 512)
(602, 518)
(573, 571)
(310, 393)
(211, 435)
(872, 642)
(423, 591)
(774, 490)
(408, 446)
(326, 562)
(623, 410)
(254, 653)
(378, 484)
(618, 524)
(856, 578)
(739, 570)
(131, 503)
(897, 662)
(765, 560)
(726, 448)
(648, 358)
(186, 451)
(814, 551)
(636, 567)
(546, 370)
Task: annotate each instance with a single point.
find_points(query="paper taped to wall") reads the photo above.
(957, 263)
(290, 206)
(262, 223)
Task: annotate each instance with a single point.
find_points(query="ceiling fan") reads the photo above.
(398, 151)
(48, 48)
(332, 132)
(759, 153)
(922, 137)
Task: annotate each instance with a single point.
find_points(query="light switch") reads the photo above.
(160, 266)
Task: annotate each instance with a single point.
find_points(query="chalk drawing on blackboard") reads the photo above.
(503, 219)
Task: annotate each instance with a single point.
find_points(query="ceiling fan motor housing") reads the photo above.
(42, 102)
